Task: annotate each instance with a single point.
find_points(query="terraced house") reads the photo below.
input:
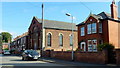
(57, 35)
(98, 29)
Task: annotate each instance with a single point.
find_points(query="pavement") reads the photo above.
(71, 63)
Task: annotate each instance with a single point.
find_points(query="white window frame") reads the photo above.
(89, 30)
(82, 31)
(94, 27)
(89, 46)
(94, 46)
(61, 40)
(100, 27)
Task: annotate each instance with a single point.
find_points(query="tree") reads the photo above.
(6, 37)
(106, 46)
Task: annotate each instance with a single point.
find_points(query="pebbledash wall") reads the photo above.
(89, 57)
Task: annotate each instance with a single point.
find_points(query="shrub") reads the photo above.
(6, 49)
(106, 46)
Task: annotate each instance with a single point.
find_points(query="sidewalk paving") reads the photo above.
(71, 63)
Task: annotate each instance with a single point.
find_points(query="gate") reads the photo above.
(111, 56)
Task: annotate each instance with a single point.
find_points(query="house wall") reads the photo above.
(113, 33)
(34, 35)
(118, 35)
(55, 40)
(98, 36)
(110, 32)
(4, 46)
(87, 36)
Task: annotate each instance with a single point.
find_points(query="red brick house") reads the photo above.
(57, 35)
(20, 43)
(98, 29)
(5, 46)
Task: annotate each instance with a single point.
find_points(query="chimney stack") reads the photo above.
(114, 13)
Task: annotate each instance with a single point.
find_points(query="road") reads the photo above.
(16, 61)
(13, 61)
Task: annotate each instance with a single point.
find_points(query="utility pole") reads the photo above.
(72, 55)
(43, 30)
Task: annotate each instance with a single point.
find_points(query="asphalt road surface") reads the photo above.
(17, 61)
(8, 61)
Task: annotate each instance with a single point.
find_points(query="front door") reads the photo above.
(83, 46)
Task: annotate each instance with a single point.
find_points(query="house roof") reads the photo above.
(20, 36)
(102, 16)
(57, 24)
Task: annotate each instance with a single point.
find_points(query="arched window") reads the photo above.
(61, 39)
(49, 39)
(71, 40)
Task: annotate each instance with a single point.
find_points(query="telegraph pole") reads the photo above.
(43, 30)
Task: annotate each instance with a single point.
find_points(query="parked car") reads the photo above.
(30, 55)
(1, 52)
(6, 52)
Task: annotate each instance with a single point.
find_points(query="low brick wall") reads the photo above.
(61, 55)
(92, 57)
(46, 54)
(89, 57)
(118, 57)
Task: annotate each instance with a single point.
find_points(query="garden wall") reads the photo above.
(89, 57)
